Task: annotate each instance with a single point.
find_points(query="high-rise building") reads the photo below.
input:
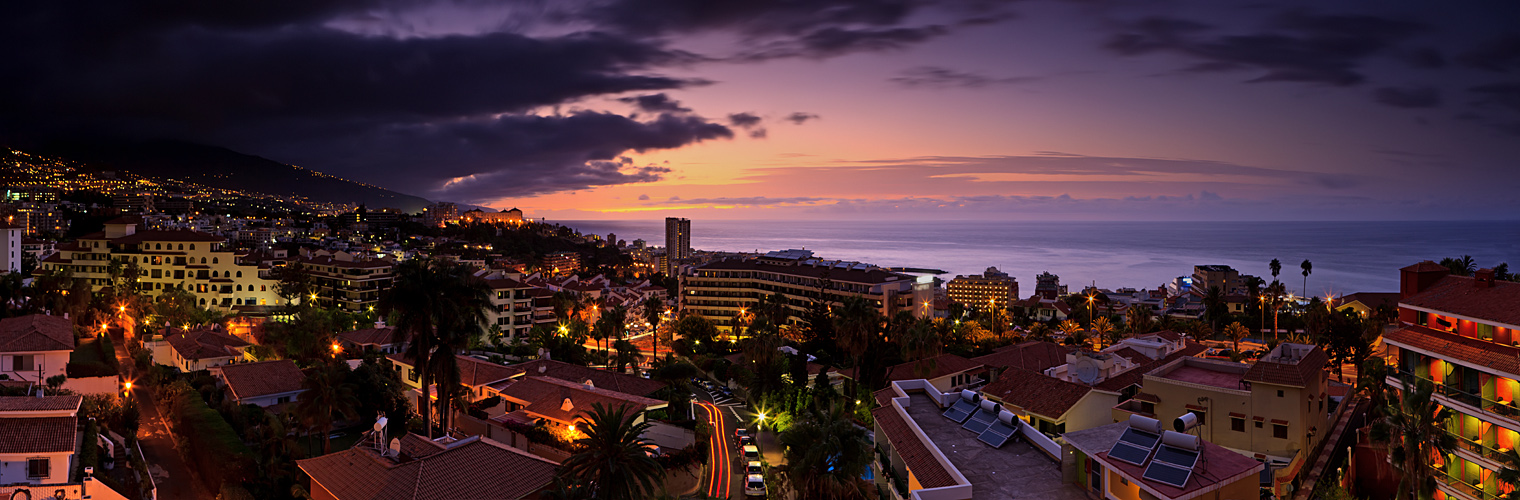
(993, 289)
(1460, 333)
(10, 247)
(677, 243)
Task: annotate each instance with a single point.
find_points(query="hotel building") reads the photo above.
(1460, 333)
(196, 262)
(720, 290)
(677, 244)
(993, 287)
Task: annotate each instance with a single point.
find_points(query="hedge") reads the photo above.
(207, 439)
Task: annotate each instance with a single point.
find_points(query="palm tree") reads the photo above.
(627, 354)
(326, 394)
(1138, 319)
(614, 461)
(439, 307)
(921, 344)
(1308, 269)
(1460, 266)
(1069, 327)
(1104, 331)
(1276, 267)
(826, 454)
(1510, 473)
(1414, 427)
(654, 311)
(1236, 332)
(1040, 332)
(856, 325)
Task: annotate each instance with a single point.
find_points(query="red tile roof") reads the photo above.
(1461, 295)
(1036, 393)
(884, 396)
(1486, 354)
(38, 434)
(602, 379)
(942, 365)
(546, 398)
(476, 372)
(204, 343)
(1032, 355)
(914, 452)
(36, 332)
(370, 336)
(1135, 375)
(45, 403)
(251, 380)
(475, 469)
(1296, 373)
(177, 235)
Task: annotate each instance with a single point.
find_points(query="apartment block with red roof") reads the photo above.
(35, 347)
(38, 438)
(415, 468)
(1131, 460)
(1461, 334)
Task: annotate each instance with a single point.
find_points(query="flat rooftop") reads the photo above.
(1016, 470)
(1205, 376)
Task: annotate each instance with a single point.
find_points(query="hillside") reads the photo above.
(227, 169)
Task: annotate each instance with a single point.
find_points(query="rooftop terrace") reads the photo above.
(1213, 373)
(1016, 470)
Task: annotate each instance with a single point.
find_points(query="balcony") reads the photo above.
(1463, 487)
(1506, 410)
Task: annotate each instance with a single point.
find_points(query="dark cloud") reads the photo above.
(1414, 97)
(800, 118)
(1500, 54)
(939, 78)
(743, 120)
(656, 103)
(1425, 58)
(1300, 48)
(1504, 95)
(837, 41)
(643, 197)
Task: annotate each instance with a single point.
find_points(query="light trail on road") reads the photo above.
(721, 479)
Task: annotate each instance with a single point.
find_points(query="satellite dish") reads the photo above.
(1086, 370)
(395, 447)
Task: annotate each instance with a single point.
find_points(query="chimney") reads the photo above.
(1416, 278)
(1484, 278)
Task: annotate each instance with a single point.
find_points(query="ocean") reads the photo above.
(1347, 257)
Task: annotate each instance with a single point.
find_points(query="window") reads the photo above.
(203, 260)
(1238, 424)
(1423, 318)
(1280, 431)
(239, 274)
(1485, 332)
(38, 467)
(213, 260)
(22, 362)
(181, 246)
(411, 375)
(1279, 393)
(192, 246)
(158, 246)
(1258, 424)
(282, 400)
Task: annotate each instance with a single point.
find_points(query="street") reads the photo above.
(170, 472)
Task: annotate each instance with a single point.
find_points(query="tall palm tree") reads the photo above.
(1510, 473)
(826, 454)
(856, 325)
(1414, 427)
(1460, 266)
(1236, 332)
(614, 462)
(1069, 327)
(439, 306)
(654, 311)
(1040, 332)
(921, 344)
(1276, 267)
(1308, 268)
(326, 395)
(1139, 319)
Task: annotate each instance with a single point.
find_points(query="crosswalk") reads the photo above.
(721, 400)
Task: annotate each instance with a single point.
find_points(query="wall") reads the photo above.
(1092, 410)
(270, 400)
(1117, 489)
(53, 363)
(13, 467)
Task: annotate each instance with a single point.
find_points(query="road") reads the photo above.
(170, 472)
(720, 452)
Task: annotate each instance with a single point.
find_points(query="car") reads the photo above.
(754, 485)
(753, 467)
(744, 440)
(751, 452)
(741, 432)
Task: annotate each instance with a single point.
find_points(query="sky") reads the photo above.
(820, 109)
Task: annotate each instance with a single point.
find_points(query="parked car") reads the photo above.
(744, 440)
(754, 486)
(751, 452)
(753, 467)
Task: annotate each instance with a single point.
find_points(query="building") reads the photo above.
(510, 216)
(198, 349)
(266, 384)
(561, 263)
(177, 205)
(562, 405)
(40, 249)
(439, 214)
(348, 281)
(677, 244)
(381, 339)
(1276, 410)
(926, 454)
(1048, 286)
(992, 290)
(947, 372)
(1229, 281)
(1365, 304)
(512, 308)
(719, 290)
(415, 468)
(196, 262)
(35, 347)
(11, 249)
(133, 203)
(42, 218)
(1460, 333)
(1136, 459)
(38, 439)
